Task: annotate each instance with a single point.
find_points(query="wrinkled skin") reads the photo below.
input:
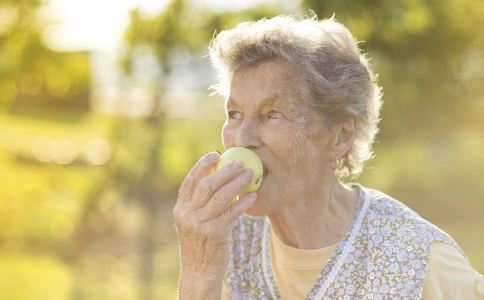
(306, 205)
(203, 219)
(266, 112)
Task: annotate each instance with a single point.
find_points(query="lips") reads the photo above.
(265, 171)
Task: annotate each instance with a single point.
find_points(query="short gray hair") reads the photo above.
(337, 78)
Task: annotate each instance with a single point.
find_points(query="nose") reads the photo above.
(248, 134)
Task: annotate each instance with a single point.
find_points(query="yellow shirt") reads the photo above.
(449, 276)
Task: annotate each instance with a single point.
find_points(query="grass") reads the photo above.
(44, 201)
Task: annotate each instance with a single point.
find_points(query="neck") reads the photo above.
(318, 218)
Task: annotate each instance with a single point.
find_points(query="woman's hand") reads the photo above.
(204, 216)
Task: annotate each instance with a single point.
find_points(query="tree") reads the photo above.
(426, 53)
(32, 76)
(165, 36)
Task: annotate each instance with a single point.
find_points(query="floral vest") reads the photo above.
(383, 256)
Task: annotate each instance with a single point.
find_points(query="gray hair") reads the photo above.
(337, 78)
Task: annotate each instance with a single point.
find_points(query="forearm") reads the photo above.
(199, 287)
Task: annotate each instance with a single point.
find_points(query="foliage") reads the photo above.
(81, 231)
(429, 55)
(31, 74)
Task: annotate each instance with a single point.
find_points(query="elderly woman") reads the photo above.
(301, 95)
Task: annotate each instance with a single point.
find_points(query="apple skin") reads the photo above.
(250, 159)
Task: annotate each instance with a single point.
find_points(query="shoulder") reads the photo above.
(391, 225)
(450, 275)
(385, 206)
(388, 213)
(444, 255)
(399, 241)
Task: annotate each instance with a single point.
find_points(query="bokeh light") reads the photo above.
(104, 107)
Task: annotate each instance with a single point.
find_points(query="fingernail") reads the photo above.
(238, 164)
(213, 156)
(248, 173)
(252, 197)
(217, 151)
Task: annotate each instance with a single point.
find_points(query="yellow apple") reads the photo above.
(250, 159)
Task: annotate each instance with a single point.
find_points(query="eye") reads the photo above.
(232, 114)
(274, 114)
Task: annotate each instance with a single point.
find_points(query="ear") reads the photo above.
(345, 133)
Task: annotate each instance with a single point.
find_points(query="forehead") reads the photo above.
(262, 98)
(270, 81)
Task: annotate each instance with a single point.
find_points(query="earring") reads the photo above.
(334, 163)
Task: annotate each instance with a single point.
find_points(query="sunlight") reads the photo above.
(98, 25)
(90, 24)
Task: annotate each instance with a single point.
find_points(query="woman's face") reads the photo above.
(266, 113)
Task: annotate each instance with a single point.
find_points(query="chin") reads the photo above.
(262, 205)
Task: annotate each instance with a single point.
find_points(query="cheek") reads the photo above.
(228, 136)
(299, 144)
(297, 152)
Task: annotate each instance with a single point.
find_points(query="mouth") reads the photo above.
(265, 171)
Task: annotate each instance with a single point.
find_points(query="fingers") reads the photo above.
(201, 168)
(209, 185)
(239, 207)
(221, 198)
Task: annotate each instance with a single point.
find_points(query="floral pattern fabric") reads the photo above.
(384, 255)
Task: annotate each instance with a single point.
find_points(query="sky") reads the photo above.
(98, 25)
(95, 25)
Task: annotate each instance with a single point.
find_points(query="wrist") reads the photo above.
(198, 286)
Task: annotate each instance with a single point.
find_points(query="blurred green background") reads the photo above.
(104, 107)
